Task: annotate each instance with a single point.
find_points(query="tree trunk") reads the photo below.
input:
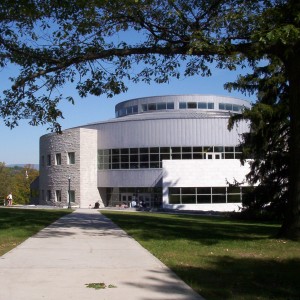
(291, 224)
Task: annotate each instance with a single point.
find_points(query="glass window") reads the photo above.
(134, 158)
(48, 195)
(71, 158)
(219, 190)
(197, 156)
(154, 150)
(218, 149)
(154, 164)
(229, 149)
(233, 190)
(174, 190)
(186, 199)
(186, 155)
(144, 107)
(151, 106)
(115, 151)
(174, 199)
(154, 157)
(203, 198)
(135, 109)
(134, 150)
(58, 195)
(129, 110)
(210, 105)
(235, 198)
(229, 155)
(165, 150)
(144, 150)
(164, 156)
(202, 105)
(176, 150)
(192, 105)
(218, 198)
(71, 196)
(221, 106)
(228, 106)
(186, 149)
(176, 156)
(124, 158)
(161, 106)
(144, 157)
(188, 190)
(203, 190)
(124, 151)
(236, 107)
(124, 165)
(58, 159)
(170, 105)
(182, 105)
(197, 149)
(115, 159)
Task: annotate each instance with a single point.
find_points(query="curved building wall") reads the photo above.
(70, 155)
(74, 154)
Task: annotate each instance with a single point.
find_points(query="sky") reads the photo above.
(21, 144)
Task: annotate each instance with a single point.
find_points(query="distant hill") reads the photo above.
(35, 166)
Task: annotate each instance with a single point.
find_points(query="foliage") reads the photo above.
(219, 258)
(17, 180)
(267, 142)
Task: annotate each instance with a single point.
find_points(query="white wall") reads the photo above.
(202, 173)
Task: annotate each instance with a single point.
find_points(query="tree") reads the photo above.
(90, 44)
(267, 141)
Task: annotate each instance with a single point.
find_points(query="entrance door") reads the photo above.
(145, 200)
(126, 199)
(213, 155)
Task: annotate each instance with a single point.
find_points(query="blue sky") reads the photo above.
(21, 144)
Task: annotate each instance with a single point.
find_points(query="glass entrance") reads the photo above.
(213, 155)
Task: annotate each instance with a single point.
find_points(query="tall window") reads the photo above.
(48, 195)
(58, 159)
(71, 158)
(42, 160)
(58, 195)
(49, 160)
(71, 195)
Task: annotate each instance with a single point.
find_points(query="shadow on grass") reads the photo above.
(256, 279)
(204, 230)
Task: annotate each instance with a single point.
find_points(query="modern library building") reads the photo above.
(173, 152)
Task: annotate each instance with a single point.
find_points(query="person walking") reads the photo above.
(9, 199)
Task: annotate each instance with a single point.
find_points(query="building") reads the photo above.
(164, 151)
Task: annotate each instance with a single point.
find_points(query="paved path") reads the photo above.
(85, 247)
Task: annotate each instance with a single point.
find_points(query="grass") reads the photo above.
(219, 258)
(16, 225)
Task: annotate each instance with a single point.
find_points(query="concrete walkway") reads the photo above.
(81, 248)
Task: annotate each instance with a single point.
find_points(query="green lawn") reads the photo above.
(16, 225)
(219, 258)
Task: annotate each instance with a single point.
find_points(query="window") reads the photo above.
(58, 159)
(161, 106)
(182, 105)
(139, 158)
(170, 105)
(192, 105)
(202, 105)
(71, 158)
(48, 195)
(48, 160)
(58, 195)
(42, 160)
(71, 196)
(210, 105)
